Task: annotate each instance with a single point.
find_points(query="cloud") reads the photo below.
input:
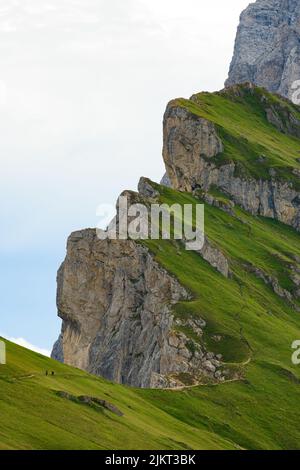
(25, 344)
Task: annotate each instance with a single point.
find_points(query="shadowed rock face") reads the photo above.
(115, 302)
(165, 181)
(188, 140)
(267, 47)
(191, 148)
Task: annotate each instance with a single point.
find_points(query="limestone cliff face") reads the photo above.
(187, 141)
(191, 147)
(267, 48)
(116, 305)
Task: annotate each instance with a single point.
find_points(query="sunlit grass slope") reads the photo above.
(240, 115)
(261, 411)
(33, 416)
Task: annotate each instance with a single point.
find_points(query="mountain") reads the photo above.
(244, 141)
(132, 314)
(267, 51)
(206, 335)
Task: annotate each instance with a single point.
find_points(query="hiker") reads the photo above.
(46, 372)
(52, 373)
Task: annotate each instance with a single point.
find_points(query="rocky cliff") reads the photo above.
(238, 147)
(267, 50)
(116, 305)
(194, 153)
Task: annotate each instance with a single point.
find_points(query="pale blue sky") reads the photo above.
(83, 88)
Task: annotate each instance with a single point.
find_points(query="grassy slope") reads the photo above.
(246, 133)
(260, 411)
(34, 417)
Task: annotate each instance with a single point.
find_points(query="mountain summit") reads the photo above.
(267, 47)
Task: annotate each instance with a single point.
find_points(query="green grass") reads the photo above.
(251, 326)
(253, 322)
(256, 327)
(246, 133)
(34, 417)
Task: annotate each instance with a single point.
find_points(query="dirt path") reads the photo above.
(175, 389)
(187, 387)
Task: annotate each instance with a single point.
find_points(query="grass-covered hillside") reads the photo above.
(252, 318)
(247, 322)
(257, 327)
(245, 118)
(34, 416)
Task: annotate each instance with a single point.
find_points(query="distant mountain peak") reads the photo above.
(267, 46)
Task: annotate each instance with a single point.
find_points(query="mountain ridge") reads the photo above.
(226, 129)
(225, 150)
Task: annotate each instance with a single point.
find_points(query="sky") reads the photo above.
(83, 88)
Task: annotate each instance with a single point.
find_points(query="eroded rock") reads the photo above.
(189, 165)
(116, 305)
(267, 51)
(214, 256)
(91, 401)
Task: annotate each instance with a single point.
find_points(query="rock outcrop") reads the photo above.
(272, 282)
(189, 142)
(267, 47)
(116, 305)
(214, 256)
(281, 112)
(57, 350)
(146, 189)
(165, 181)
(191, 149)
(94, 402)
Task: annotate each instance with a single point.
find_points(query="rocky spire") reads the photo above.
(267, 47)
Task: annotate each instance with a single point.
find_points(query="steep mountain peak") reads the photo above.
(267, 50)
